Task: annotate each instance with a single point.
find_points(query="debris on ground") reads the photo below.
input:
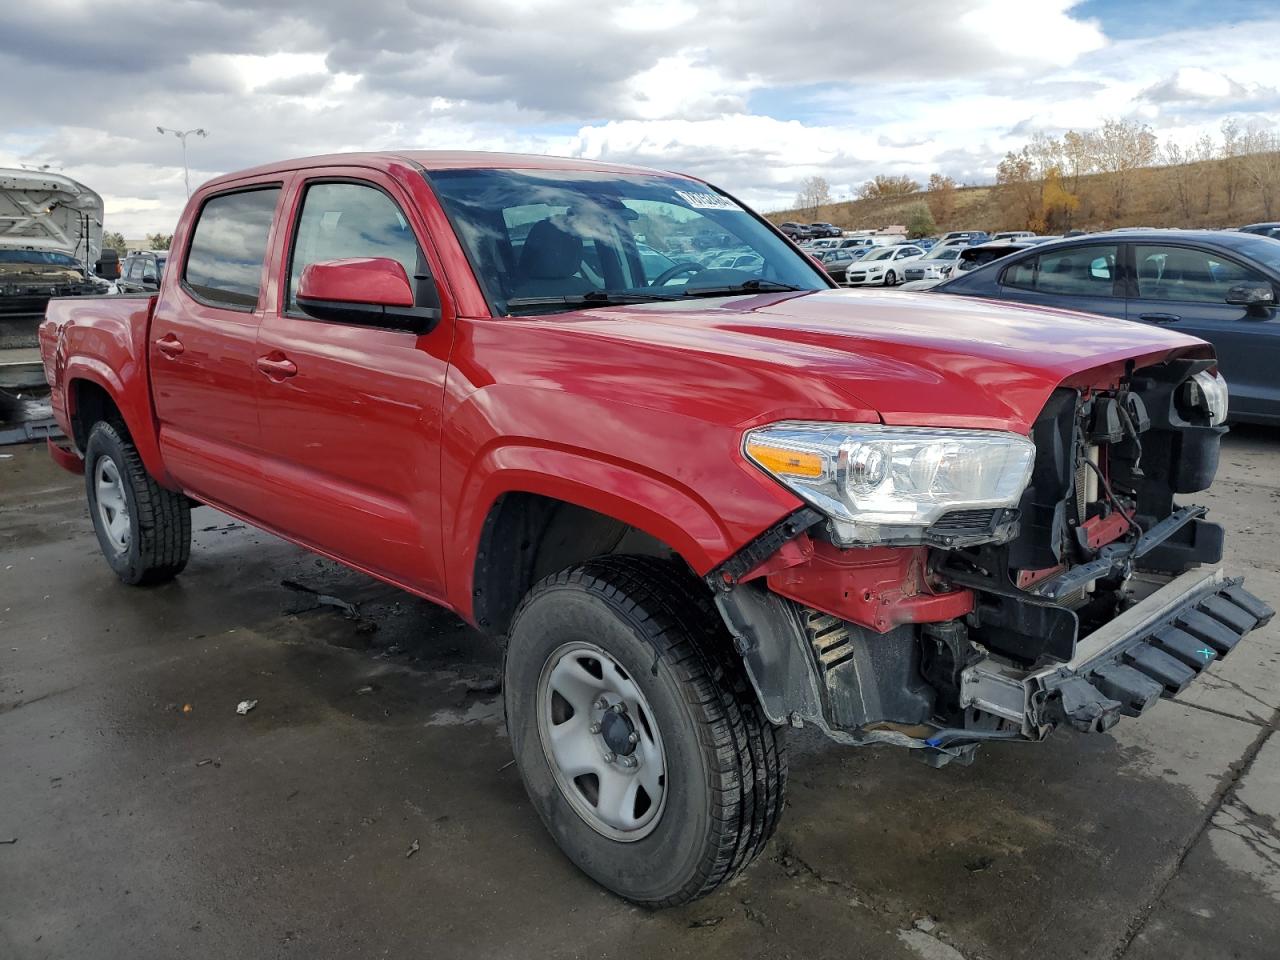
(978, 864)
(244, 706)
(706, 922)
(413, 848)
(206, 761)
(223, 529)
(484, 686)
(9, 840)
(926, 924)
(365, 690)
(324, 599)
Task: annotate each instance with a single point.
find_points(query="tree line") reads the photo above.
(1097, 178)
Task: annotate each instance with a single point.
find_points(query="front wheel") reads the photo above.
(143, 529)
(890, 279)
(636, 733)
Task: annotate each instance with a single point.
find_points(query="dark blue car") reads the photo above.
(1221, 286)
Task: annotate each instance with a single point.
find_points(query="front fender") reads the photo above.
(653, 504)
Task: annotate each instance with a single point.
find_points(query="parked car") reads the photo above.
(824, 230)
(142, 270)
(935, 265)
(884, 266)
(837, 262)
(925, 243)
(1012, 235)
(965, 259)
(965, 236)
(1263, 229)
(1221, 286)
(700, 508)
(796, 231)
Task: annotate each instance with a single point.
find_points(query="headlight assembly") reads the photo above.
(889, 484)
(1207, 392)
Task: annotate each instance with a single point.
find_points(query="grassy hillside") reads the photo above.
(1151, 202)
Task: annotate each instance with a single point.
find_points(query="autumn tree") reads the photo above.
(1122, 147)
(885, 186)
(815, 193)
(1201, 153)
(1078, 158)
(1019, 188)
(159, 241)
(920, 222)
(1260, 162)
(941, 198)
(1058, 205)
(1180, 177)
(1231, 167)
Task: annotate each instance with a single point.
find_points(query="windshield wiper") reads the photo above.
(592, 298)
(754, 285)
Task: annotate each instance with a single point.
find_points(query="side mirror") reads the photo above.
(150, 280)
(1258, 297)
(367, 291)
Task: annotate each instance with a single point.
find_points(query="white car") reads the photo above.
(885, 265)
(935, 265)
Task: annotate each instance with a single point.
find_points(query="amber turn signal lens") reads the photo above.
(792, 463)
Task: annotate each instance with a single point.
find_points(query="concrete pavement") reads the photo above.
(152, 821)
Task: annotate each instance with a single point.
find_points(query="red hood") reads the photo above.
(912, 359)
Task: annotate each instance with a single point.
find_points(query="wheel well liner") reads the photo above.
(527, 536)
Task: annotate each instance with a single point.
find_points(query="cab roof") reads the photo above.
(433, 160)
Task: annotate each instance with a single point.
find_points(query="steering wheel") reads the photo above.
(671, 273)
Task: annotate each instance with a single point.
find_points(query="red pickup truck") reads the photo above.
(702, 504)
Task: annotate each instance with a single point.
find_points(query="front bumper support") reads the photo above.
(1152, 650)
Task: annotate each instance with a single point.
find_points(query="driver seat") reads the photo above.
(549, 263)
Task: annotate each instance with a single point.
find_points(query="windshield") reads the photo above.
(45, 257)
(884, 253)
(1264, 251)
(534, 236)
(943, 253)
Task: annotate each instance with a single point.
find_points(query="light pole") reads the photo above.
(182, 135)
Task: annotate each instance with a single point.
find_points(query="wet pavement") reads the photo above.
(151, 820)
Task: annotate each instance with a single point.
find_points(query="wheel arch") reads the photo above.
(95, 392)
(539, 511)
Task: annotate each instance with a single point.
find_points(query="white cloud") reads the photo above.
(754, 95)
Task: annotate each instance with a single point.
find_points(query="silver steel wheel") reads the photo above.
(113, 508)
(601, 741)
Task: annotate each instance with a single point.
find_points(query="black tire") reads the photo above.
(890, 279)
(726, 768)
(159, 540)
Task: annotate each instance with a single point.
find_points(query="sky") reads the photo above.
(753, 95)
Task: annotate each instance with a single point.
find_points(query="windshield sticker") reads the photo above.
(707, 201)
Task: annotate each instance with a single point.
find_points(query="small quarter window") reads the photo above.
(1085, 271)
(229, 246)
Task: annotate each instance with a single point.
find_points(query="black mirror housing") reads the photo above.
(1252, 295)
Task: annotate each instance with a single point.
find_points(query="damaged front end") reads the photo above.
(945, 589)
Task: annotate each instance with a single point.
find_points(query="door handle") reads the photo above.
(1159, 317)
(169, 345)
(277, 367)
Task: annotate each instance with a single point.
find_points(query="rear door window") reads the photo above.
(229, 247)
(1187, 274)
(1086, 271)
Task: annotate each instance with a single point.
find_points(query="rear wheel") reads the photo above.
(638, 738)
(143, 529)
